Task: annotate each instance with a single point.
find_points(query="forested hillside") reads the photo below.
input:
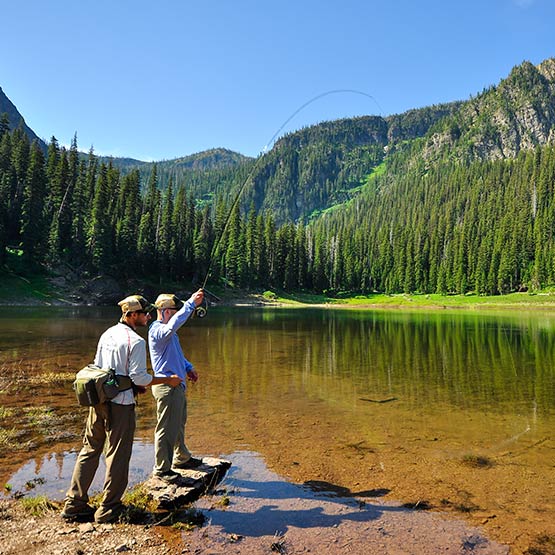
(206, 174)
(453, 199)
(306, 172)
(469, 207)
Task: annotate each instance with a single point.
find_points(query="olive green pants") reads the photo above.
(109, 428)
(169, 435)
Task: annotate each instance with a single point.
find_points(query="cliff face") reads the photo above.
(16, 119)
(518, 114)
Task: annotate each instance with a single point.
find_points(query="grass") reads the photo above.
(37, 506)
(141, 499)
(223, 501)
(141, 507)
(8, 437)
(38, 425)
(6, 412)
(15, 288)
(544, 299)
(35, 289)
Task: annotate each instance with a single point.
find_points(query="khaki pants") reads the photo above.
(116, 440)
(169, 436)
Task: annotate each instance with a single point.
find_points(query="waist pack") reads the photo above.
(94, 385)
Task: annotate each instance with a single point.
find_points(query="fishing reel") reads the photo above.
(202, 309)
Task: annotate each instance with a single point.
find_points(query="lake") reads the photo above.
(452, 410)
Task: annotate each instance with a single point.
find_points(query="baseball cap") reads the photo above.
(167, 300)
(135, 303)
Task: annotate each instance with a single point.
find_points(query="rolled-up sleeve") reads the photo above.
(137, 371)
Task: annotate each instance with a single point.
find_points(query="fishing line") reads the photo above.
(259, 159)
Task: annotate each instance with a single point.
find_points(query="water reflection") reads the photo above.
(302, 387)
(50, 474)
(497, 363)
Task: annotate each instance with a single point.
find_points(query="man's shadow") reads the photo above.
(262, 508)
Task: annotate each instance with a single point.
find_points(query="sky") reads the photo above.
(161, 80)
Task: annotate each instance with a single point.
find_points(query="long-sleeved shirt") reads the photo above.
(124, 350)
(166, 354)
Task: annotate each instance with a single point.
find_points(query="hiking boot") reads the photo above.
(106, 516)
(84, 513)
(191, 463)
(168, 476)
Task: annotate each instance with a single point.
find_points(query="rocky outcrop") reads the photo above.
(518, 114)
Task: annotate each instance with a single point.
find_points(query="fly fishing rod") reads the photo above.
(202, 310)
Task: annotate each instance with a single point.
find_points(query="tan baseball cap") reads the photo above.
(135, 303)
(167, 300)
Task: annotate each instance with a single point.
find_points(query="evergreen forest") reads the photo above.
(455, 198)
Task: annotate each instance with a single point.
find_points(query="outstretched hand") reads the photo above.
(197, 297)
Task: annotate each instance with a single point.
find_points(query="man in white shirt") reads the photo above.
(123, 349)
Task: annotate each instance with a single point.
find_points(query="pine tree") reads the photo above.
(203, 241)
(149, 226)
(166, 233)
(4, 124)
(234, 253)
(99, 236)
(32, 212)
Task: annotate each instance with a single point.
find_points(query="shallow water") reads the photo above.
(353, 398)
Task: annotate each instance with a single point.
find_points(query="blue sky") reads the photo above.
(158, 80)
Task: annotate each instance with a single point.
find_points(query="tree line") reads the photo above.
(63, 207)
(450, 227)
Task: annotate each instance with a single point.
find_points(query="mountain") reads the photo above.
(320, 167)
(206, 174)
(468, 206)
(325, 165)
(213, 159)
(16, 119)
(517, 114)
(458, 197)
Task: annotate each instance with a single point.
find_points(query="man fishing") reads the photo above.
(113, 423)
(167, 358)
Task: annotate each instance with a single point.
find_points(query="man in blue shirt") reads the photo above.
(168, 359)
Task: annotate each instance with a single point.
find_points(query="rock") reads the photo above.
(86, 528)
(190, 487)
(102, 290)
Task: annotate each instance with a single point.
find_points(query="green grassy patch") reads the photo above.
(6, 412)
(37, 506)
(544, 299)
(17, 289)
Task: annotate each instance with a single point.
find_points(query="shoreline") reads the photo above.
(309, 516)
(401, 303)
(60, 289)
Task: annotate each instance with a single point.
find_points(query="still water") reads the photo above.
(403, 402)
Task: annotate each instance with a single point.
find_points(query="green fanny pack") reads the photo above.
(94, 385)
